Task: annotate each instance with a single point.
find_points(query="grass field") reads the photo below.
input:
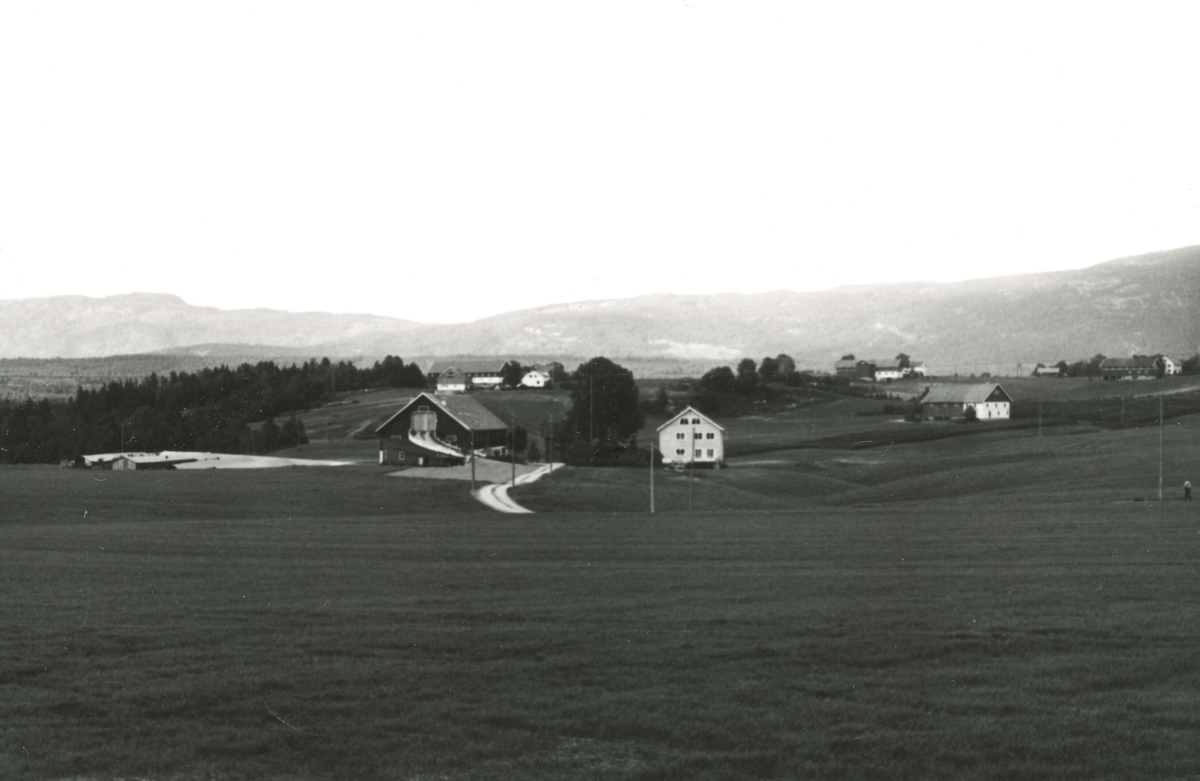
(910, 643)
(995, 465)
(987, 606)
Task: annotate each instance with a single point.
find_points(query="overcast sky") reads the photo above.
(442, 161)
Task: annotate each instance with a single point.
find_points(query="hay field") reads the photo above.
(995, 464)
(203, 633)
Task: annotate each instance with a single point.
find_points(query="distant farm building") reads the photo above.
(535, 378)
(482, 373)
(888, 370)
(1047, 371)
(1172, 365)
(691, 438)
(124, 462)
(885, 370)
(1143, 367)
(951, 401)
(452, 381)
(435, 429)
(850, 367)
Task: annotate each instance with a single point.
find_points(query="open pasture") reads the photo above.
(945, 643)
(44, 495)
(992, 465)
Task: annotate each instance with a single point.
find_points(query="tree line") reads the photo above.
(213, 409)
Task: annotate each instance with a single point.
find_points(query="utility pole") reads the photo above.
(591, 412)
(691, 467)
(652, 477)
(550, 450)
(1039, 423)
(472, 455)
(512, 430)
(1160, 447)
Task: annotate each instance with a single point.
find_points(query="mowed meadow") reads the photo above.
(311, 623)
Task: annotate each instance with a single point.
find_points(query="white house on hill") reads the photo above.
(535, 378)
(989, 401)
(691, 438)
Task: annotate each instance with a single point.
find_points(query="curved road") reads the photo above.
(495, 495)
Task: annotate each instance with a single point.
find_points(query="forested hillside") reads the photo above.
(210, 410)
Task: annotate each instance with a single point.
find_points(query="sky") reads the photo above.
(446, 161)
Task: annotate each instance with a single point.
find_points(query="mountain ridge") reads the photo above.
(1142, 303)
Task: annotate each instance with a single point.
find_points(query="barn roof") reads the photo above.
(451, 374)
(1142, 362)
(888, 364)
(470, 366)
(962, 393)
(690, 411)
(470, 413)
(845, 364)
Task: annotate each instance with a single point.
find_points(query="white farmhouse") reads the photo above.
(691, 438)
(535, 378)
(1172, 365)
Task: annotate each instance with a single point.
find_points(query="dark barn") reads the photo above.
(435, 429)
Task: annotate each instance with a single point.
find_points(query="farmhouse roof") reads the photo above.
(691, 412)
(962, 393)
(470, 413)
(470, 366)
(888, 364)
(451, 374)
(1141, 362)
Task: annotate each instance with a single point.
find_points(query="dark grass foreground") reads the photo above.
(857, 644)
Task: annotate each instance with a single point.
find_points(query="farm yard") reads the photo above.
(854, 597)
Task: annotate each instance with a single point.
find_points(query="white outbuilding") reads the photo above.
(691, 438)
(535, 378)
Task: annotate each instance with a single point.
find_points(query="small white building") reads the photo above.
(886, 371)
(535, 379)
(1172, 365)
(452, 381)
(691, 438)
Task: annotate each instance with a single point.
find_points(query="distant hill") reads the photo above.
(82, 327)
(1144, 304)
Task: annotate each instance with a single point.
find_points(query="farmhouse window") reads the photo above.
(695, 421)
(679, 435)
(697, 452)
(679, 452)
(697, 435)
(423, 408)
(710, 435)
(452, 438)
(710, 453)
(683, 421)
